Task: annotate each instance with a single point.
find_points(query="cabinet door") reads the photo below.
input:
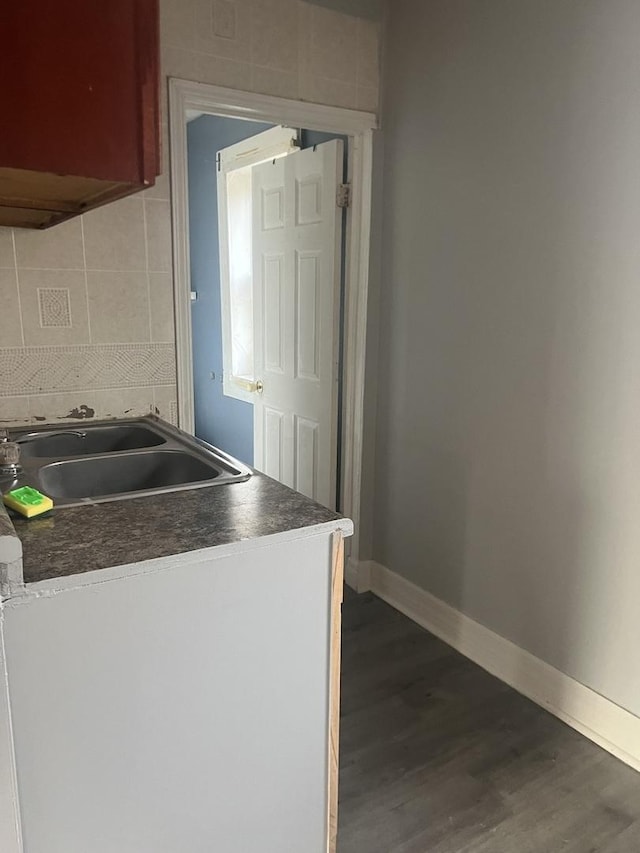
(196, 705)
(80, 101)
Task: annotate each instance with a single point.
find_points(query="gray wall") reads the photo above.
(508, 435)
(371, 367)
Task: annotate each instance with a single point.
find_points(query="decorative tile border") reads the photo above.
(25, 371)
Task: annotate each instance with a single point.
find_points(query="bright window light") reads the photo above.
(235, 213)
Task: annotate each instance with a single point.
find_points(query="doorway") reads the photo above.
(221, 420)
(267, 241)
(189, 101)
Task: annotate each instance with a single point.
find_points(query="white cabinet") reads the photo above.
(184, 704)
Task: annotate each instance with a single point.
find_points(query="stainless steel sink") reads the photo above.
(77, 442)
(103, 476)
(119, 459)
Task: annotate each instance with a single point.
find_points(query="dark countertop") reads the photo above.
(10, 547)
(72, 540)
(6, 527)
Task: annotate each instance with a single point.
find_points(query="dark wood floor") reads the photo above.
(438, 756)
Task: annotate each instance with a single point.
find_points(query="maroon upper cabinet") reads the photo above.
(80, 122)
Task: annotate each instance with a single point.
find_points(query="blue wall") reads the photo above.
(223, 421)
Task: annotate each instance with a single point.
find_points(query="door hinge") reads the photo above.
(344, 195)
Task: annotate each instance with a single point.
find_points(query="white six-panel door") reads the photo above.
(296, 275)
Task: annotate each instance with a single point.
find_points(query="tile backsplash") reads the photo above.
(86, 318)
(86, 307)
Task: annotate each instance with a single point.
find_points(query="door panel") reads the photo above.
(273, 442)
(274, 337)
(306, 455)
(307, 294)
(296, 262)
(273, 208)
(309, 200)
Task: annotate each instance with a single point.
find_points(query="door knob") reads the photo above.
(248, 385)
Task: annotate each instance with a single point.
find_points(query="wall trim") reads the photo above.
(188, 100)
(602, 721)
(357, 574)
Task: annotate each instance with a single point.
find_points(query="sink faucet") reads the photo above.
(34, 436)
(9, 455)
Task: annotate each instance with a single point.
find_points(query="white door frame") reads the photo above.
(187, 100)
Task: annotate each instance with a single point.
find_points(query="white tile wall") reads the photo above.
(57, 248)
(79, 310)
(332, 42)
(114, 236)
(223, 29)
(77, 382)
(10, 317)
(117, 355)
(28, 371)
(6, 250)
(55, 307)
(158, 235)
(224, 19)
(288, 48)
(119, 306)
(161, 306)
(36, 333)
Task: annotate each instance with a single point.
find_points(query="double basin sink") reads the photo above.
(118, 459)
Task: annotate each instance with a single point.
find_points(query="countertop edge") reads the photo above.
(10, 556)
(65, 583)
(10, 544)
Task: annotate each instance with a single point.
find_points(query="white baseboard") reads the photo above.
(357, 574)
(602, 721)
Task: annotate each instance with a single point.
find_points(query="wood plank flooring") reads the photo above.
(437, 756)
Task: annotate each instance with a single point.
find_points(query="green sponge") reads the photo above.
(28, 501)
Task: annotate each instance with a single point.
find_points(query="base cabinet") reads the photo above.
(192, 705)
